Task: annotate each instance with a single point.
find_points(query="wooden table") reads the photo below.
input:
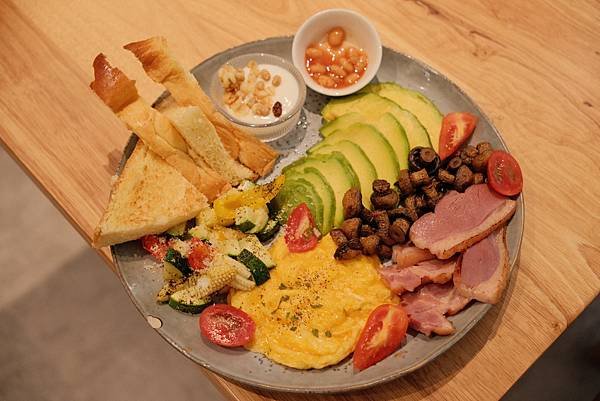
(533, 67)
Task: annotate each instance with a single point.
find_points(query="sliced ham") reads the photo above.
(427, 308)
(410, 255)
(402, 279)
(483, 272)
(461, 220)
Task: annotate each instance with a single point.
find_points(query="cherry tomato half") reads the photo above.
(504, 173)
(300, 233)
(383, 333)
(200, 254)
(226, 326)
(156, 246)
(456, 129)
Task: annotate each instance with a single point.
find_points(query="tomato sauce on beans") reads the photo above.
(334, 62)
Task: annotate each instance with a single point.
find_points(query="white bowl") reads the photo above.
(359, 31)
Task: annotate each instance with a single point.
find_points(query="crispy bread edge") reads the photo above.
(163, 68)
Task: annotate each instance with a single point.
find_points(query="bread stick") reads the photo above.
(164, 69)
(120, 94)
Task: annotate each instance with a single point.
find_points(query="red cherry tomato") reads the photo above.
(156, 246)
(200, 254)
(300, 233)
(504, 174)
(226, 326)
(383, 333)
(456, 129)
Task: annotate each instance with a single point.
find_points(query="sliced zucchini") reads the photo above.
(201, 231)
(250, 220)
(245, 226)
(170, 272)
(178, 261)
(183, 247)
(187, 301)
(246, 184)
(178, 230)
(269, 231)
(259, 270)
(170, 287)
(253, 244)
(230, 247)
(207, 216)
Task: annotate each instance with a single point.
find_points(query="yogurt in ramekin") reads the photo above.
(268, 109)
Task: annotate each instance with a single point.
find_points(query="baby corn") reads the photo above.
(243, 284)
(215, 277)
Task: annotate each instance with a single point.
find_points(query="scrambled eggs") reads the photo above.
(312, 310)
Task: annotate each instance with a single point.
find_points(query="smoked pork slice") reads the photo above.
(402, 279)
(483, 272)
(409, 255)
(461, 220)
(427, 308)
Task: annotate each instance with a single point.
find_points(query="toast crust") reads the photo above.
(120, 94)
(162, 68)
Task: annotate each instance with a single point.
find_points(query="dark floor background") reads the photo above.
(570, 368)
(69, 332)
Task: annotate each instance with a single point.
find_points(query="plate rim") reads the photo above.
(395, 374)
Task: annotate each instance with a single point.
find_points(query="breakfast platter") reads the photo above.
(334, 370)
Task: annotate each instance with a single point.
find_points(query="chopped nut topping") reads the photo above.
(264, 74)
(250, 93)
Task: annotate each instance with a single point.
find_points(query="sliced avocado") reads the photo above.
(374, 145)
(338, 173)
(342, 122)
(323, 189)
(296, 191)
(374, 106)
(415, 102)
(286, 200)
(387, 124)
(360, 163)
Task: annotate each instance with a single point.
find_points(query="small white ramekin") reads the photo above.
(359, 31)
(269, 131)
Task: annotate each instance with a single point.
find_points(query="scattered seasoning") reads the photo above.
(315, 332)
(328, 333)
(315, 306)
(282, 286)
(282, 299)
(277, 109)
(293, 328)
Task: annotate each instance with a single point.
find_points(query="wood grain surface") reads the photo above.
(532, 66)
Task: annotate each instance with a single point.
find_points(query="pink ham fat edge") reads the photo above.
(457, 212)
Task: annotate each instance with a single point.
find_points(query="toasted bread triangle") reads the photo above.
(149, 197)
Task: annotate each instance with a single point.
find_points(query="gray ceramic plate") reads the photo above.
(142, 278)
